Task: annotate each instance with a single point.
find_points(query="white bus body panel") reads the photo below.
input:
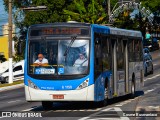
(85, 94)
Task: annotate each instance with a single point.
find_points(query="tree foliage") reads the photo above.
(23, 18)
(153, 5)
(2, 58)
(90, 12)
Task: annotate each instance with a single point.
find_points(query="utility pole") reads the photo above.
(10, 80)
(109, 8)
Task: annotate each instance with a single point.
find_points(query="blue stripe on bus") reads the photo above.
(58, 84)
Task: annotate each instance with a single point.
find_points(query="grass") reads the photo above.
(14, 83)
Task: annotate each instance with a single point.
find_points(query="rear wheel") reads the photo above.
(47, 105)
(2, 82)
(6, 80)
(132, 90)
(104, 102)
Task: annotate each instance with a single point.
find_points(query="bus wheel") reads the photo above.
(132, 90)
(104, 102)
(47, 105)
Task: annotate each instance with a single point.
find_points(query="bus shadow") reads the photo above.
(83, 106)
(123, 98)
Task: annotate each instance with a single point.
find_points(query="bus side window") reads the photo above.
(106, 55)
(120, 55)
(137, 50)
(131, 50)
(97, 55)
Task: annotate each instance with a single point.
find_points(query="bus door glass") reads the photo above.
(120, 66)
(126, 65)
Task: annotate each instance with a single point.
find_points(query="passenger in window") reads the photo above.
(41, 61)
(81, 61)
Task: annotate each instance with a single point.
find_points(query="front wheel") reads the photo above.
(6, 80)
(47, 105)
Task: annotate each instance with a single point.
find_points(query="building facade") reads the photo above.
(4, 43)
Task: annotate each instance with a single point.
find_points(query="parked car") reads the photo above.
(152, 44)
(148, 65)
(155, 45)
(18, 73)
(147, 52)
(4, 66)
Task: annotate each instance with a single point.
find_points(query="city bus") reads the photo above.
(84, 62)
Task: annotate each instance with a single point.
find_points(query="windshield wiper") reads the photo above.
(73, 38)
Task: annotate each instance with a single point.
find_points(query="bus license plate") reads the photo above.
(58, 96)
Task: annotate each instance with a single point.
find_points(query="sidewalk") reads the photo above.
(11, 87)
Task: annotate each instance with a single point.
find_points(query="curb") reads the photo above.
(11, 87)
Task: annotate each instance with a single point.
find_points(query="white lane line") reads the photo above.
(119, 105)
(14, 101)
(118, 111)
(148, 91)
(154, 107)
(154, 64)
(152, 77)
(29, 109)
(128, 101)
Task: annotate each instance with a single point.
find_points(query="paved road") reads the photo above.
(147, 101)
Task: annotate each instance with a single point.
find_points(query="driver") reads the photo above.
(41, 61)
(81, 61)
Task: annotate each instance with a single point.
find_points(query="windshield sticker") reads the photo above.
(44, 71)
(60, 70)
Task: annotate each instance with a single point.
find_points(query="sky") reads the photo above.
(3, 16)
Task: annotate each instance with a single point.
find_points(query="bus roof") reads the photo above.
(96, 28)
(61, 24)
(116, 31)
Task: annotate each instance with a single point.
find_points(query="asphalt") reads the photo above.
(146, 101)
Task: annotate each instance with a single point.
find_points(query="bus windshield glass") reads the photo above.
(59, 57)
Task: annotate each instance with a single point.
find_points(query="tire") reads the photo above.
(47, 105)
(132, 95)
(2, 82)
(6, 79)
(104, 102)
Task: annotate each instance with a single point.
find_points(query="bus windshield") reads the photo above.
(59, 57)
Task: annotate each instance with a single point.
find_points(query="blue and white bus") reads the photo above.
(86, 62)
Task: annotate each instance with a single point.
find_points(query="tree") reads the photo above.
(90, 12)
(2, 58)
(23, 19)
(153, 5)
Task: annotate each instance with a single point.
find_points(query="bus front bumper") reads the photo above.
(85, 94)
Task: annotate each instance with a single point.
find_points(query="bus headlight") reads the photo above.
(83, 85)
(32, 85)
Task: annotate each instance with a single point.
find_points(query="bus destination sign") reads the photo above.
(52, 31)
(59, 31)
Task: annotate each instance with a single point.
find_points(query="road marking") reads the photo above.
(14, 101)
(99, 115)
(119, 105)
(154, 107)
(152, 77)
(154, 64)
(30, 109)
(148, 91)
